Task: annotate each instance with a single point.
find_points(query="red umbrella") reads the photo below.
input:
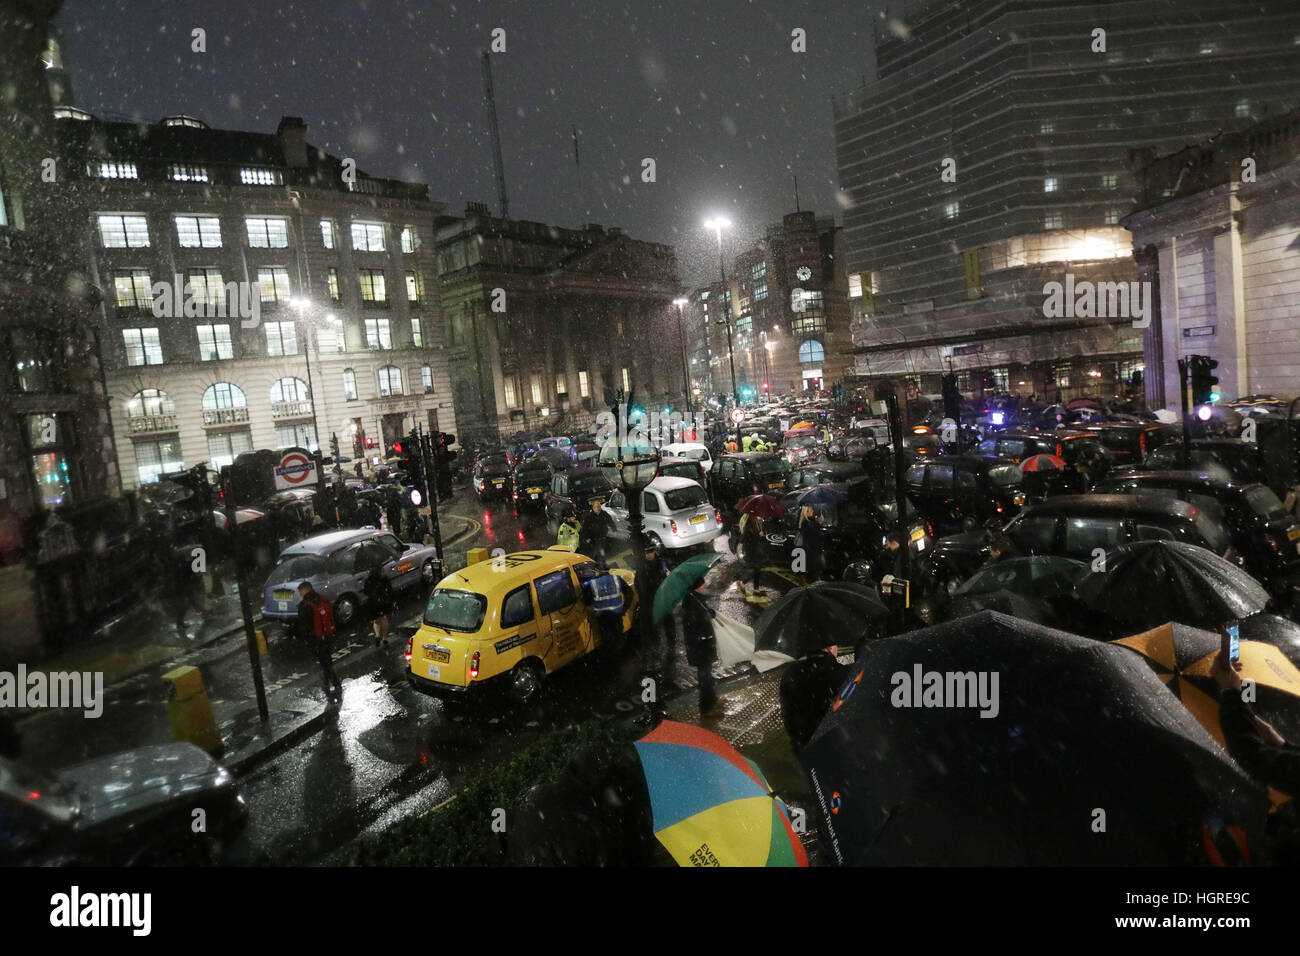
(1083, 403)
(764, 506)
(1043, 463)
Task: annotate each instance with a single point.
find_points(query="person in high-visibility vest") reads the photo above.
(570, 531)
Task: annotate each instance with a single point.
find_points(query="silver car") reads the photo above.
(676, 513)
(337, 565)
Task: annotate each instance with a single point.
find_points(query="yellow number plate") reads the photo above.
(697, 519)
(437, 654)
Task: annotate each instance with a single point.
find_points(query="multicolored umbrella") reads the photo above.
(711, 805)
(1043, 463)
(683, 578)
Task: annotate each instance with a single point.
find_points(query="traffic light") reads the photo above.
(951, 397)
(765, 386)
(1204, 391)
(397, 448)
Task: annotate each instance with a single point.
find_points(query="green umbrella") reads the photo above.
(683, 578)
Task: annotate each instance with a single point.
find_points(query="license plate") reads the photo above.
(698, 519)
(282, 605)
(498, 481)
(1293, 534)
(533, 495)
(776, 484)
(435, 672)
(437, 654)
(918, 534)
(534, 491)
(282, 595)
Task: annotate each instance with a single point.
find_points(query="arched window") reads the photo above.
(289, 389)
(390, 381)
(223, 395)
(150, 402)
(812, 351)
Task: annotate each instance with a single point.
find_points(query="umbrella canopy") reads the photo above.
(764, 506)
(1079, 403)
(1043, 463)
(821, 495)
(712, 806)
(806, 619)
(797, 426)
(1147, 583)
(991, 741)
(683, 578)
(1183, 657)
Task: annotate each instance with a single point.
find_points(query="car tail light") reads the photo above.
(717, 515)
(673, 525)
(1142, 442)
(929, 530)
(261, 597)
(410, 643)
(999, 509)
(473, 666)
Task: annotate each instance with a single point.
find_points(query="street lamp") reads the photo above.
(309, 325)
(686, 372)
(717, 224)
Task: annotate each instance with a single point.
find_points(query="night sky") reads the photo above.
(709, 88)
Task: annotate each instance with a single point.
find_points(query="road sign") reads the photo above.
(737, 416)
(296, 470)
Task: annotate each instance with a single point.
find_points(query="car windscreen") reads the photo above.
(533, 476)
(296, 567)
(1004, 476)
(591, 487)
(681, 469)
(454, 610)
(1214, 534)
(801, 442)
(679, 499)
(1264, 503)
(495, 464)
(772, 468)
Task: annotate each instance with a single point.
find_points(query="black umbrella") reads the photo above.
(992, 741)
(809, 618)
(1148, 583)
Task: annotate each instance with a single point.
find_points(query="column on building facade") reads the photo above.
(1163, 391)
(1230, 302)
(1148, 262)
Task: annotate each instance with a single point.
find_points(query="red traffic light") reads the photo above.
(397, 447)
(765, 386)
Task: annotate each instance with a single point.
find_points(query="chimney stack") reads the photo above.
(292, 133)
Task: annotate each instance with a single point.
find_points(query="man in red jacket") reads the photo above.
(316, 627)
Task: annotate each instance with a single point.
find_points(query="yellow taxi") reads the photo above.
(509, 622)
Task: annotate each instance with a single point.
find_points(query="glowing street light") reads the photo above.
(717, 224)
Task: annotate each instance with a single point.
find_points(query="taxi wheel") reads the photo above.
(345, 610)
(525, 681)
(653, 541)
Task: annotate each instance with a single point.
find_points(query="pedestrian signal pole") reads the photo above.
(430, 459)
(245, 608)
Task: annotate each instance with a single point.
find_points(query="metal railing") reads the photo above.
(225, 416)
(298, 409)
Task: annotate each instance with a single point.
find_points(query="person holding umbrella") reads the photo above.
(701, 647)
(659, 638)
(1263, 753)
(811, 540)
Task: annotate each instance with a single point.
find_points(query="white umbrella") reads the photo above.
(1166, 415)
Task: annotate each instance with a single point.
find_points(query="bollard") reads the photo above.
(190, 710)
(261, 643)
(475, 555)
